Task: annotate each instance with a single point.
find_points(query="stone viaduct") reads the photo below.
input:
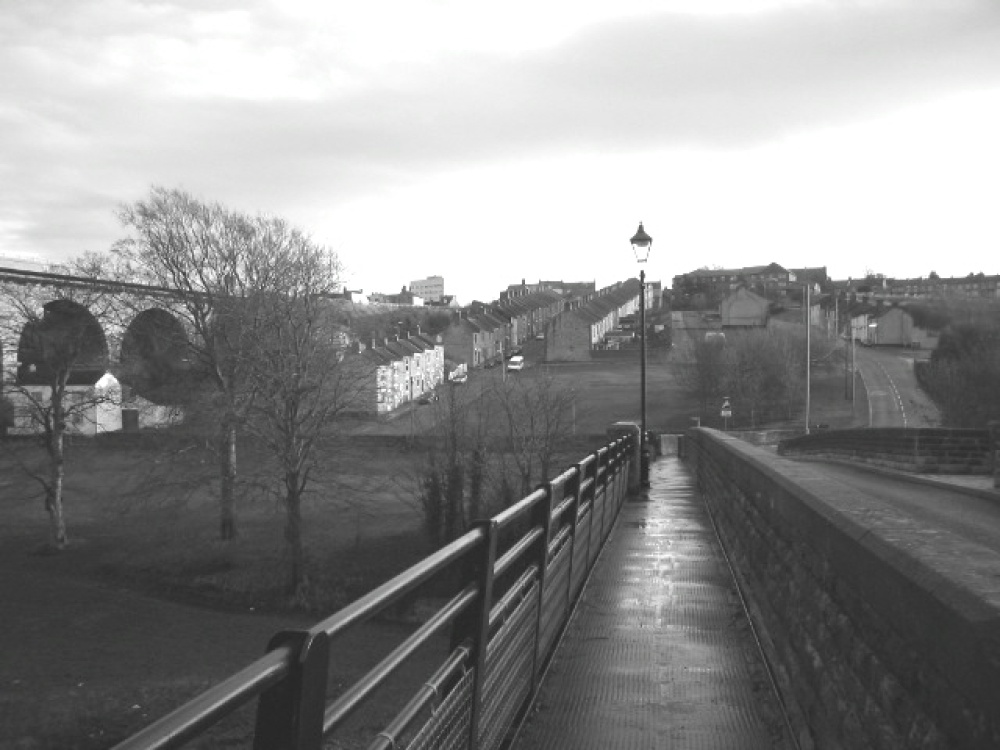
(131, 330)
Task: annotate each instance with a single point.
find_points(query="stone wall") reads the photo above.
(872, 645)
(928, 450)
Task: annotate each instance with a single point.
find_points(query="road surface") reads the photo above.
(935, 506)
(894, 397)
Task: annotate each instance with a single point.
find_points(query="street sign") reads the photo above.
(727, 410)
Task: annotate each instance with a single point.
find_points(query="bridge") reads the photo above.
(137, 330)
(744, 600)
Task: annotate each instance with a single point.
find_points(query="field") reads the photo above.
(146, 607)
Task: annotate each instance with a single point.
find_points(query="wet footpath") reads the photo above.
(659, 653)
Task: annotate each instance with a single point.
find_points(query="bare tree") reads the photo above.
(218, 264)
(451, 483)
(537, 415)
(62, 384)
(300, 375)
(702, 368)
(764, 373)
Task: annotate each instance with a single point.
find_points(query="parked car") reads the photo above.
(515, 363)
(429, 398)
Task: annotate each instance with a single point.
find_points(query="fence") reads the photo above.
(516, 577)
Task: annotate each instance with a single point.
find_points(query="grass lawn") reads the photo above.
(147, 608)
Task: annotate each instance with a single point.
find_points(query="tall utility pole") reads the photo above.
(854, 371)
(808, 352)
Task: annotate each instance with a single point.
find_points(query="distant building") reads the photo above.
(721, 281)
(91, 409)
(973, 285)
(562, 288)
(476, 338)
(430, 289)
(392, 372)
(592, 323)
(404, 297)
(744, 309)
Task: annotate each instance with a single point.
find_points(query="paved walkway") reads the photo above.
(659, 653)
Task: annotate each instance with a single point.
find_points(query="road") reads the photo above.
(935, 507)
(894, 397)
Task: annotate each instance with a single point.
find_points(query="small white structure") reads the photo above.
(90, 409)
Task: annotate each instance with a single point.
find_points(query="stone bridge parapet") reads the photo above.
(881, 633)
(926, 450)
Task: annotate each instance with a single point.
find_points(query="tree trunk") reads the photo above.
(433, 502)
(293, 534)
(227, 471)
(454, 520)
(54, 492)
(476, 476)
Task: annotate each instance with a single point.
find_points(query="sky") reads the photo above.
(490, 142)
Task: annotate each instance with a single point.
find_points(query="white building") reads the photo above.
(431, 288)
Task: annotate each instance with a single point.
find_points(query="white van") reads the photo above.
(515, 363)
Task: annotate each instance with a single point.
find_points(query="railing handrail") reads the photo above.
(204, 710)
(290, 680)
(392, 590)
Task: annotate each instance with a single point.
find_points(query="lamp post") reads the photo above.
(641, 245)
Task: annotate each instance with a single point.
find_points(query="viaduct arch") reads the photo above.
(135, 332)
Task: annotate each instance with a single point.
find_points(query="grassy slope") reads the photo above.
(95, 641)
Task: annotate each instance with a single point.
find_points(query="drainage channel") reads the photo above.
(660, 652)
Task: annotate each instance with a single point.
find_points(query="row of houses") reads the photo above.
(398, 370)
(591, 325)
(977, 286)
(573, 322)
(405, 368)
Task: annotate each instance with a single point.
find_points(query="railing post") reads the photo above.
(480, 626)
(591, 474)
(290, 714)
(620, 484)
(601, 485)
(543, 518)
(573, 521)
(610, 487)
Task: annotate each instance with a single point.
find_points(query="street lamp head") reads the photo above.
(641, 244)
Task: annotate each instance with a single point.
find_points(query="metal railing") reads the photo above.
(517, 577)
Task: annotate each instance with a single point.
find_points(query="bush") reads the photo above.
(963, 375)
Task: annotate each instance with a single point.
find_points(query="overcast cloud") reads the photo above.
(333, 117)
